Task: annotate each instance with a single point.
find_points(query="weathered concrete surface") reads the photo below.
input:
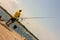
(5, 34)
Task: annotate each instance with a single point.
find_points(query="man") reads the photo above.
(15, 17)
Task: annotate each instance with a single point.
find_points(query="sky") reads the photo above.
(44, 28)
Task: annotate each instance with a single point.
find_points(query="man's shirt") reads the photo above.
(17, 14)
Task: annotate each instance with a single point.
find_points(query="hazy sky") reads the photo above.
(44, 29)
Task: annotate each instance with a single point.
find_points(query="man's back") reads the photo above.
(17, 14)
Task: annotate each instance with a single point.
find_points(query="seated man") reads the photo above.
(15, 16)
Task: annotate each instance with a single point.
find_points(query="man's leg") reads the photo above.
(9, 22)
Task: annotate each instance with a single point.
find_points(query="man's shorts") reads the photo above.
(13, 19)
